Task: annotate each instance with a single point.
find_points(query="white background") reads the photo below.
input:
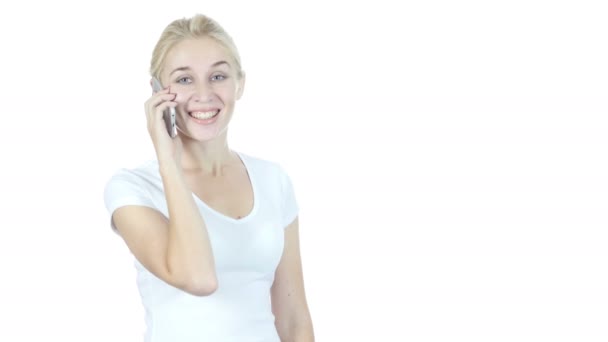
(449, 158)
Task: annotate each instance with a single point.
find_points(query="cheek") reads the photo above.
(182, 95)
(228, 93)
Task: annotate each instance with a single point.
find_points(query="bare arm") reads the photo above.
(178, 250)
(293, 321)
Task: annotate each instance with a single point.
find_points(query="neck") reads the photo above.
(208, 158)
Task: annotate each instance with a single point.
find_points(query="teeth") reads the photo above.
(204, 115)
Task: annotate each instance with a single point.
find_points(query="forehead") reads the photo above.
(200, 52)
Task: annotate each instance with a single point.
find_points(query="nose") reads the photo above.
(203, 92)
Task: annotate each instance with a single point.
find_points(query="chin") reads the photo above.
(206, 134)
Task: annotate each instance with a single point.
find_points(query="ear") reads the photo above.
(240, 86)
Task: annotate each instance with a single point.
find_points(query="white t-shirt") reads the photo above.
(246, 251)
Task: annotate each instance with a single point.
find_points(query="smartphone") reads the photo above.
(169, 113)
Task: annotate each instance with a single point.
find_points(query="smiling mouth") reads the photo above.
(204, 115)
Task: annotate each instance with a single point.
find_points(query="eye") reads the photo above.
(184, 80)
(218, 77)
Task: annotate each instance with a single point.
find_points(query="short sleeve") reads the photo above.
(289, 202)
(124, 189)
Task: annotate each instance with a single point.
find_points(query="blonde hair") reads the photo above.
(198, 26)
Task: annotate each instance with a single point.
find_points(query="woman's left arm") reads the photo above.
(289, 306)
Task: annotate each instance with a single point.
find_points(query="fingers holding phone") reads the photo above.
(168, 113)
(160, 115)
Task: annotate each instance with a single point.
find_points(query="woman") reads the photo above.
(214, 232)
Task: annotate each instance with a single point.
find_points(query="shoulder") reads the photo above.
(145, 172)
(270, 174)
(132, 185)
(263, 167)
(277, 184)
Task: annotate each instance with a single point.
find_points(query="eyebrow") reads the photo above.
(184, 68)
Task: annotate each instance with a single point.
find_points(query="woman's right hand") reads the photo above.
(167, 148)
